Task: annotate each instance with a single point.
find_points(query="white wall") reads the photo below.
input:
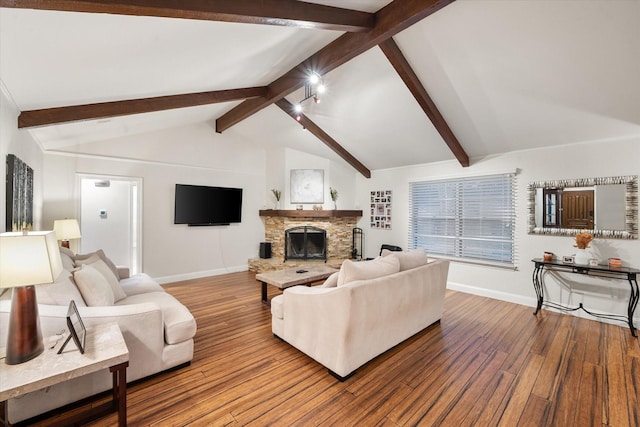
(597, 159)
(276, 178)
(21, 144)
(172, 252)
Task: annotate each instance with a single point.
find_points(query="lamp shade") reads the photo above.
(66, 229)
(26, 259)
(29, 259)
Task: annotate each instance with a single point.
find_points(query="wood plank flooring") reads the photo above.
(488, 363)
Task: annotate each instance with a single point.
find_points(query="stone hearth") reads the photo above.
(339, 225)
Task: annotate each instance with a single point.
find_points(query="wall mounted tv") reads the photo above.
(202, 205)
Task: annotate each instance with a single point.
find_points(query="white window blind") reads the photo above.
(468, 218)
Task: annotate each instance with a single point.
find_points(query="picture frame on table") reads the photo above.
(77, 330)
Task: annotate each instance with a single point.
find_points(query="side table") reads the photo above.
(105, 348)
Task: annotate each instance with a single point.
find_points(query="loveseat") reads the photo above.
(363, 310)
(157, 328)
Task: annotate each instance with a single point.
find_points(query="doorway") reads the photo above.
(111, 218)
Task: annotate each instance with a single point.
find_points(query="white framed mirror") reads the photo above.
(606, 207)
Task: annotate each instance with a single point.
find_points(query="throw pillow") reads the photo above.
(100, 253)
(95, 262)
(93, 286)
(60, 292)
(351, 271)
(332, 281)
(410, 259)
(66, 255)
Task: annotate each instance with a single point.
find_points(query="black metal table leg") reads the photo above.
(537, 285)
(633, 302)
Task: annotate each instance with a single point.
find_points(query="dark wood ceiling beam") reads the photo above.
(393, 53)
(390, 20)
(101, 110)
(317, 131)
(290, 13)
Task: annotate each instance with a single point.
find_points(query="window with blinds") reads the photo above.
(467, 218)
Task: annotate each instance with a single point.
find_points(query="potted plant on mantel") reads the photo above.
(277, 194)
(334, 196)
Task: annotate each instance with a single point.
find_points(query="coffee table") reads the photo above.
(283, 279)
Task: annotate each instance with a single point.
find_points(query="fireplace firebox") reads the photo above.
(306, 243)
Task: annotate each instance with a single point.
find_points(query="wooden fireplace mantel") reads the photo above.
(309, 213)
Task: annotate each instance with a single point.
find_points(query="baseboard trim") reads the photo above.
(200, 274)
(489, 293)
(530, 302)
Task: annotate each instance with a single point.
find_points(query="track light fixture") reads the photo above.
(313, 88)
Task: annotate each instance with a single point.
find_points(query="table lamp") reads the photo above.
(66, 229)
(26, 259)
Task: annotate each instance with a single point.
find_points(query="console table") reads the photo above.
(603, 271)
(105, 348)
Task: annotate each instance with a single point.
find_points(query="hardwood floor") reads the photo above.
(488, 363)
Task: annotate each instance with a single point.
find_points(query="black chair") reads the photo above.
(390, 248)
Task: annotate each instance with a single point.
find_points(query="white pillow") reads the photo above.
(408, 260)
(67, 258)
(60, 292)
(362, 270)
(101, 266)
(332, 281)
(100, 253)
(93, 286)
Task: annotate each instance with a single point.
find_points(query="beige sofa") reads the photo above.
(157, 328)
(362, 311)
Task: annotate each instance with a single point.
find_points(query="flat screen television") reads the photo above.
(202, 205)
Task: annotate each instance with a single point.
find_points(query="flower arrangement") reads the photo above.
(334, 193)
(583, 240)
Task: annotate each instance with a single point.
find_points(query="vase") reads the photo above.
(335, 205)
(581, 257)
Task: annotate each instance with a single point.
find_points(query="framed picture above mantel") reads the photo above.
(307, 186)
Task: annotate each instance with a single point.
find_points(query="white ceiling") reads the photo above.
(506, 75)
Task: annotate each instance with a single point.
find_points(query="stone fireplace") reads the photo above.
(338, 225)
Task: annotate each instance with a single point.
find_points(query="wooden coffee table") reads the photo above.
(283, 279)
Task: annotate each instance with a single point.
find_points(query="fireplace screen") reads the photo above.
(305, 242)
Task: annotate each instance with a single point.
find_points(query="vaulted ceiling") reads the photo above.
(408, 81)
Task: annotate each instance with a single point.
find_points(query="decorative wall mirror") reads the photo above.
(606, 207)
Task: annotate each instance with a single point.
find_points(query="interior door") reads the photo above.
(577, 209)
(110, 218)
